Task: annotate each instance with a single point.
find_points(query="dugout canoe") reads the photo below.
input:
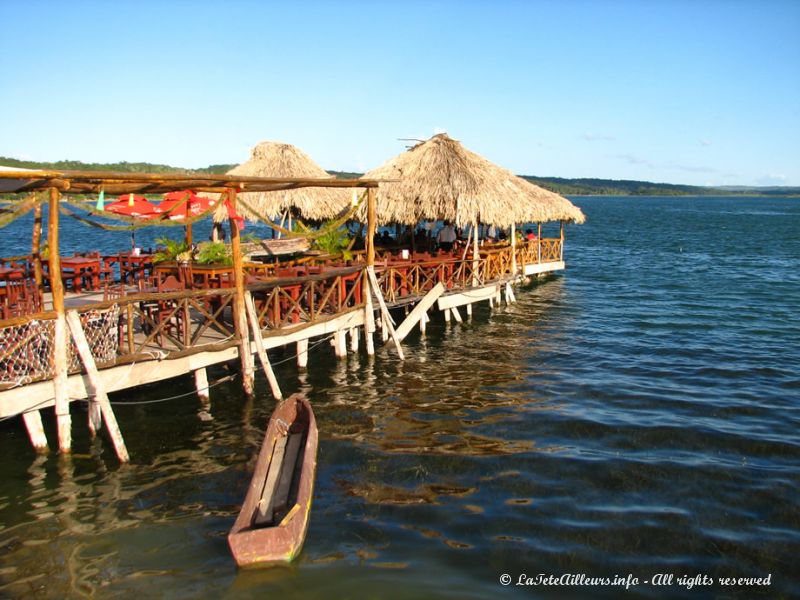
(272, 523)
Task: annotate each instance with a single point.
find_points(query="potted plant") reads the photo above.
(170, 250)
(209, 253)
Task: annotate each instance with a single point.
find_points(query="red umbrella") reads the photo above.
(177, 206)
(132, 205)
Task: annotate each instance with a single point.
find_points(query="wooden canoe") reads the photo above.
(271, 526)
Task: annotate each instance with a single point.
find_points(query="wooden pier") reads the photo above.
(81, 347)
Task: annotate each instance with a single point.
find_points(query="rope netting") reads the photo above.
(26, 350)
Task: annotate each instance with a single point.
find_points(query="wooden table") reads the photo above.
(76, 268)
(131, 266)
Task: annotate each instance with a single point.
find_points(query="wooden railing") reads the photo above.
(170, 324)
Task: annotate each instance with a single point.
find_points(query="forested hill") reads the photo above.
(624, 187)
(587, 187)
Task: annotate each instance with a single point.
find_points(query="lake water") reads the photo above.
(635, 415)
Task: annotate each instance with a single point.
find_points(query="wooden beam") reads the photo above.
(419, 311)
(96, 384)
(252, 315)
(387, 318)
(201, 385)
(456, 314)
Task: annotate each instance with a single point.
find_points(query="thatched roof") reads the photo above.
(440, 179)
(276, 159)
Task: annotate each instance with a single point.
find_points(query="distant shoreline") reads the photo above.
(566, 187)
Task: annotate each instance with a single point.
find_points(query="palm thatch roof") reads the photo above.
(440, 179)
(276, 159)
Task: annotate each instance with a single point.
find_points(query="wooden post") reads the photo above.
(239, 310)
(302, 353)
(475, 251)
(561, 257)
(423, 321)
(340, 343)
(457, 315)
(371, 227)
(250, 308)
(446, 315)
(201, 385)
(369, 317)
(539, 244)
(33, 423)
(513, 250)
(36, 246)
(60, 360)
(96, 386)
(469, 310)
(354, 339)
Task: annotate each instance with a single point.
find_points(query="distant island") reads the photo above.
(560, 185)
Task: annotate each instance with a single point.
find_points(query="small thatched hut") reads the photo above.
(276, 159)
(440, 179)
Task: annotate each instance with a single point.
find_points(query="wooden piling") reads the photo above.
(201, 385)
(239, 310)
(33, 423)
(97, 388)
(419, 311)
(354, 339)
(340, 343)
(561, 257)
(302, 354)
(456, 315)
(387, 318)
(60, 360)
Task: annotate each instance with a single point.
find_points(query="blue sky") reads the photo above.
(697, 92)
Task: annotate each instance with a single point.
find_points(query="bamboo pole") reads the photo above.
(36, 245)
(60, 362)
(252, 315)
(97, 389)
(239, 310)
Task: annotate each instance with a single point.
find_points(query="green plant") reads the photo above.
(214, 253)
(335, 242)
(250, 238)
(169, 250)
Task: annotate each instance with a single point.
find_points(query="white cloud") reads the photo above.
(705, 143)
(772, 179)
(635, 160)
(597, 137)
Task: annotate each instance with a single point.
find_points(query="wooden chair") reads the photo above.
(118, 292)
(170, 316)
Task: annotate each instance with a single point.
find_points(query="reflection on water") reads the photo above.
(634, 414)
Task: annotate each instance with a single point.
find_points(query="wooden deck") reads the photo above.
(140, 338)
